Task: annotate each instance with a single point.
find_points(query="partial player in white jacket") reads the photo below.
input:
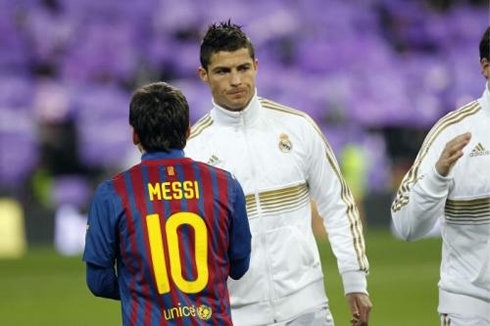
(282, 160)
(450, 181)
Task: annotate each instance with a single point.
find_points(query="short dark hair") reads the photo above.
(485, 44)
(224, 36)
(159, 114)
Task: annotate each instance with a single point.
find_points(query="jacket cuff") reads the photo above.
(354, 282)
(434, 184)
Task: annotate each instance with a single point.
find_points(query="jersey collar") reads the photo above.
(173, 154)
(237, 118)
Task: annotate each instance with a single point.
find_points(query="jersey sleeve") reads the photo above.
(101, 236)
(338, 210)
(103, 282)
(420, 200)
(240, 236)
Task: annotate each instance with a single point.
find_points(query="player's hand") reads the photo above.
(452, 153)
(360, 306)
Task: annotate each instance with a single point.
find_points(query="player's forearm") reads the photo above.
(424, 207)
(354, 282)
(102, 282)
(239, 267)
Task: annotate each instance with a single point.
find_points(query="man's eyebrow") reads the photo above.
(221, 68)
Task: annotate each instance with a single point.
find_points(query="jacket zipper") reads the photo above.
(259, 212)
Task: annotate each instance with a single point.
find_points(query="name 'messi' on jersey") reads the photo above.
(173, 190)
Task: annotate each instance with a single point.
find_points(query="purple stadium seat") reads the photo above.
(71, 190)
(102, 120)
(102, 51)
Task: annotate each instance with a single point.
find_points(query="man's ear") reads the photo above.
(188, 132)
(203, 74)
(485, 67)
(136, 139)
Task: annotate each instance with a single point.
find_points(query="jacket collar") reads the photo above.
(485, 99)
(237, 118)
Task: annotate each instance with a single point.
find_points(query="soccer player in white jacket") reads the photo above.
(450, 181)
(282, 160)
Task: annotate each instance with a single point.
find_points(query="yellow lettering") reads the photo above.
(166, 191)
(167, 317)
(201, 252)
(180, 311)
(177, 190)
(189, 192)
(176, 310)
(193, 311)
(185, 311)
(154, 190)
(157, 255)
(196, 186)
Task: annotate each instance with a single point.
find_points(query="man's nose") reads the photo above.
(235, 79)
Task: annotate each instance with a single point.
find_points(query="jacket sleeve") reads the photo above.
(421, 197)
(338, 210)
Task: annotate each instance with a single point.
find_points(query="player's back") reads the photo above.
(174, 235)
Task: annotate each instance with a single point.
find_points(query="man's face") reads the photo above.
(231, 78)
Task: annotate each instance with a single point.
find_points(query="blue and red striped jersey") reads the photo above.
(173, 228)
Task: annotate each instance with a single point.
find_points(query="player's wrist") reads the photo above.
(354, 282)
(434, 184)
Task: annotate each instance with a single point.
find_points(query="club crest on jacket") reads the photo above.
(285, 144)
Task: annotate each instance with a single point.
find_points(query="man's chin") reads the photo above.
(236, 105)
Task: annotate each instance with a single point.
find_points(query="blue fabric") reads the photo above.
(240, 244)
(105, 210)
(117, 234)
(102, 282)
(173, 154)
(239, 267)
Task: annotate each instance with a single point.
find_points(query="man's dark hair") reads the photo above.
(485, 44)
(159, 114)
(224, 36)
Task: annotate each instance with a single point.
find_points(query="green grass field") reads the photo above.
(44, 289)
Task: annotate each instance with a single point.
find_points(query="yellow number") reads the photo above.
(158, 255)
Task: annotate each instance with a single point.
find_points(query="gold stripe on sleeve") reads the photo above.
(412, 175)
(199, 126)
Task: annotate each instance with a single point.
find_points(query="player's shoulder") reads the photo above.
(117, 181)
(461, 115)
(219, 172)
(457, 121)
(286, 113)
(105, 191)
(453, 124)
(200, 126)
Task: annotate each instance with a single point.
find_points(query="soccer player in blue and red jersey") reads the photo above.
(164, 236)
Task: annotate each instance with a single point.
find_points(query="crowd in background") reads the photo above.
(373, 74)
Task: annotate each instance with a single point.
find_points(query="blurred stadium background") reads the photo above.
(374, 74)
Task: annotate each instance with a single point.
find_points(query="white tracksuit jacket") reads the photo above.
(461, 201)
(281, 159)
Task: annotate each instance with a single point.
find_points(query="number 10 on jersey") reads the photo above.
(158, 254)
